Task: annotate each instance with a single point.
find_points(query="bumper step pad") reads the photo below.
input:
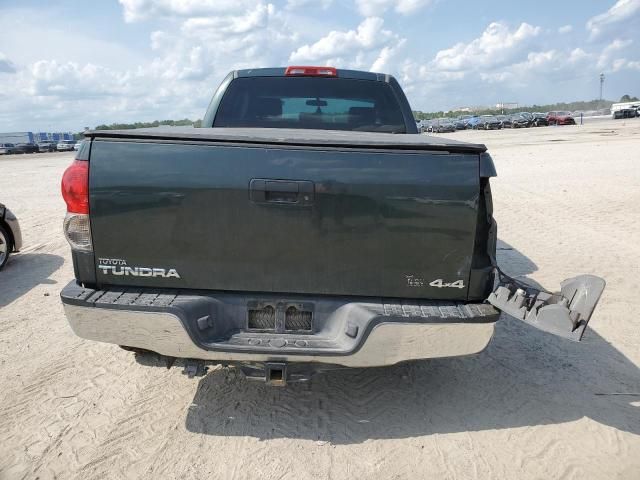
(565, 313)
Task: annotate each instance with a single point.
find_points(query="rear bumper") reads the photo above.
(213, 327)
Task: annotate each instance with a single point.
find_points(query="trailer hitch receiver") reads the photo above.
(565, 313)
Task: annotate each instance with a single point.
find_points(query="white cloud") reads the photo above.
(612, 49)
(222, 26)
(624, 64)
(69, 79)
(370, 8)
(622, 13)
(515, 63)
(189, 57)
(367, 46)
(565, 29)
(136, 10)
(297, 4)
(497, 45)
(549, 66)
(6, 65)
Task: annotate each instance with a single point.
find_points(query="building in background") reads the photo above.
(506, 106)
(30, 137)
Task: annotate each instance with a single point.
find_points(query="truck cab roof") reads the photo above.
(308, 97)
(340, 73)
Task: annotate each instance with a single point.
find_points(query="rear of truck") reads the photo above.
(263, 241)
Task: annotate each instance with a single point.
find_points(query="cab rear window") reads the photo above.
(308, 102)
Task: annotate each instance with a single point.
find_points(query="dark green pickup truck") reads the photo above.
(306, 225)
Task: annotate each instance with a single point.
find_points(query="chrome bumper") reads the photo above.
(215, 326)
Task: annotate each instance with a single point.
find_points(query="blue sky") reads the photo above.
(76, 64)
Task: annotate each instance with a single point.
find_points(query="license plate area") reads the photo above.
(280, 317)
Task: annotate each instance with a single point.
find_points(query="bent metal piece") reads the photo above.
(565, 313)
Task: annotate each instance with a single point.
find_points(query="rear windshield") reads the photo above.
(307, 102)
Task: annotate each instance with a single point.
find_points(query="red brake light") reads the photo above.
(75, 187)
(311, 71)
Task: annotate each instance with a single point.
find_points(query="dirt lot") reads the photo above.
(530, 406)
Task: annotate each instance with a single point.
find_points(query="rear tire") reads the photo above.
(5, 246)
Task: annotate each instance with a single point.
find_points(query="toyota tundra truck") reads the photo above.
(306, 225)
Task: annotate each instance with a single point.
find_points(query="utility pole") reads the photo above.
(601, 85)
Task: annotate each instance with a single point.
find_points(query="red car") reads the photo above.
(560, 118)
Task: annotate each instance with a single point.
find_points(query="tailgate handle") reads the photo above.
(297, 192)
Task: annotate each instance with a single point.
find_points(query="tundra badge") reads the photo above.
(117, 266)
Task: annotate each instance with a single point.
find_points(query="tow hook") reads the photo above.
(565, 313)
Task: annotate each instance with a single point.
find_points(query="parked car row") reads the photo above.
(626, 113)
(496, 122)
(62, 146)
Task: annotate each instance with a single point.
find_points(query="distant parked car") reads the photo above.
(442, 125)
(46, 146)
(528, 116)
(624, 113)
(488, 122)
(540, 119)
(464, 120)
(472, 122)
(77, 145)
(560, 118)
(460, 123)
(505, 120)
(7, 148)
(26, 148)
(10, 235)
(65, 145)
(519, 121)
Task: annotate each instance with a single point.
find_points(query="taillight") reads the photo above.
(77, 231)
(75, 191)
(311, 71)
(75, 187)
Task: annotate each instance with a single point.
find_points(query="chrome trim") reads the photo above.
(387, 344)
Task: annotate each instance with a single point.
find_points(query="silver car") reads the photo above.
(7, 148)
(10, 235)
(65, 145)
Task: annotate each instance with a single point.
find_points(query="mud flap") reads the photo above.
(565, 313)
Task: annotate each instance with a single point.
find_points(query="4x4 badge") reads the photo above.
(439, 283)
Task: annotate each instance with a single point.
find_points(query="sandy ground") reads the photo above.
(530, 406)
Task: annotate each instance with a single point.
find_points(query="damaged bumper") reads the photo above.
(218, 327)
(565, 313)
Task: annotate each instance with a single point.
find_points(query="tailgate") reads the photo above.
(272, 218)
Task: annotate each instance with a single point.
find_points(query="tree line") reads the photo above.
(156, 123)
